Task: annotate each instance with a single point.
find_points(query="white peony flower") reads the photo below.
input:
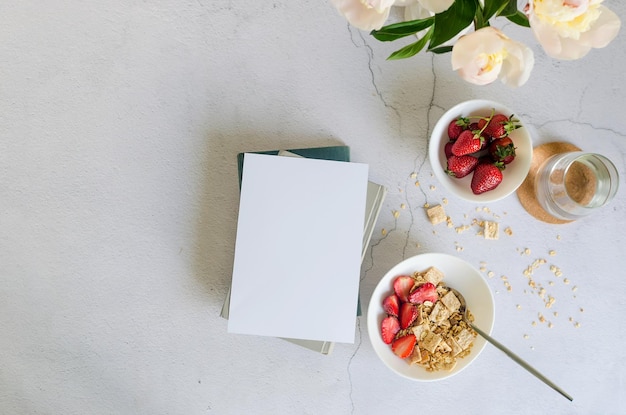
(365, 14)
(569, 29)
(487, 54)
(372, 14)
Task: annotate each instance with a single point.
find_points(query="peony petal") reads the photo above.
(436, 6)
(604, 30)
(361, 16)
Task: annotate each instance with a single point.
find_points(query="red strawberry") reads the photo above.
(403, 347)
(408, 314)
(391, 305)
(500, 125)
(467, 143)
(487, 176)
(389, 328)
(402, 286)
(456, 127)
(502, 149)
(447, 150)
(461, 166)
(425, 292)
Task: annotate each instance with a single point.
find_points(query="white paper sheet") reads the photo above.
(298, 250)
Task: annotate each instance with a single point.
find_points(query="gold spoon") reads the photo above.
(516, 358)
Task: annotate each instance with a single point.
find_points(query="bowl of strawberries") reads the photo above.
(480, 150)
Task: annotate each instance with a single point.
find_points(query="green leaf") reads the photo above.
(450, 22)
(441, 49)
(402, 29)
(509, 9)
(412, 49)
(519, 18)
(492, 7)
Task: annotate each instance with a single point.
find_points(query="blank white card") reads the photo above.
(298, 250)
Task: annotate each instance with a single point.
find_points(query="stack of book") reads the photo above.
(303, 230)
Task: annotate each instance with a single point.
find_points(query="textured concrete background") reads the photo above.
(119, 126)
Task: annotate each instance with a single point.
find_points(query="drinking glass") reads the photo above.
(572, 185)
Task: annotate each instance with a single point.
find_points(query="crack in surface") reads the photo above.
(370, 66)
(417, 163)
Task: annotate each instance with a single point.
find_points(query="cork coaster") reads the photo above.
(526, 192)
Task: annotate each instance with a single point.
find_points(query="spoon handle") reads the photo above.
(521, 362)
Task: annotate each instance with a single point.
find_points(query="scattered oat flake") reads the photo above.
(558, 237)
(577, 325)
(566, 281)
(534, 323)
(396, 214)
(426, 205)
(552, 252)
(550, 325)
(519, 307)
(417, 184)
(526, 336)
(413, 175)
(384, 231)
(556, 314)
(527, 251)
(491, 274)
(445, 201)
(582, 310)
(402, 206)
(508, 231)
(509, 288)
(432, 187)
(574, 288)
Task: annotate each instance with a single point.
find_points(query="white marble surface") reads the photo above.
(120, 122)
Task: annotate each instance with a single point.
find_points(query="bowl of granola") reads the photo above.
(414, 321)
(480, 150)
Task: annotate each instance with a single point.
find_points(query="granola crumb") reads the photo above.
(426, 205)
(577, 325)
(444, 201)
(402, 206)
(526, 336)
(436, 214)
(519, 307)
(491, 274)
(383, 231)
(491, 230)
(558, 237)
(527, 251)
(552, 252)
(550, 325)
(508, 231)
(556, 314)
(534, 323)
(413, 175)
(566, 281)
(582, 310)
(432, 187)
(417, 184)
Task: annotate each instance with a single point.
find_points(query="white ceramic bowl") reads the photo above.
(459, 275)
(514, 173)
